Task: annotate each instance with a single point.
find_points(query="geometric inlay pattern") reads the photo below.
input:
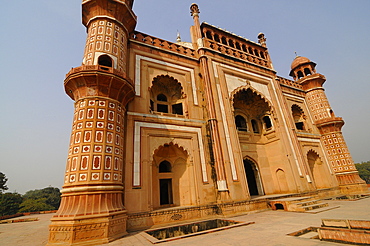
(96, 142)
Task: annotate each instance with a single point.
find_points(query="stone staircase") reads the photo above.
(308, 204)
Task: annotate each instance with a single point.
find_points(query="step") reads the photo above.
(315, 206)
(306, 203)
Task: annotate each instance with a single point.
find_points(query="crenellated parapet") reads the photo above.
(229, 44)
(162, 44)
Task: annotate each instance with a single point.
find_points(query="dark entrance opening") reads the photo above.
(165, 190)
(251, 177)
(279, 206)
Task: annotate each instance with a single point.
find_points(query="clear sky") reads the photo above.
(41, 40)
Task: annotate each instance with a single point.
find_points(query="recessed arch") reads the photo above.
(248, 87)
(318, 171)
(249, 102)
(166, 95)
(169, 167)
(281, 180)
(241, 123)
(159, 151)
(298, 117)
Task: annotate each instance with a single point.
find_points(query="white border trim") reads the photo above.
(137, 147)
(138, 59)
(227, 134)
(279, 108)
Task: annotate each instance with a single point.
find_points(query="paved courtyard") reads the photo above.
(270, 228)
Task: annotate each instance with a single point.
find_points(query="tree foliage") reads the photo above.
(9, 203)
(364, 171)
(3, 180)
(49, 196)
(34, 205)
(34, 200)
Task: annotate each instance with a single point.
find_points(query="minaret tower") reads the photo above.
(92, 210)
(303, 71)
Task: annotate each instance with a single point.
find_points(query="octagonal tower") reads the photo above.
(92, 210)
(303, 71)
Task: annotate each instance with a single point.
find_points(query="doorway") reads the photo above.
(165, 191)
(253, 178)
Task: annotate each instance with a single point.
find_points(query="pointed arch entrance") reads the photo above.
(319, 171)
(253, 178)
(172, 177)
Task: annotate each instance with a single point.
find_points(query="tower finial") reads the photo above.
(178, 39)
(261, 39)
(194, 10)
(295, 52)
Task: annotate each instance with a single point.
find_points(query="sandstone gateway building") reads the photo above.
(167, 132)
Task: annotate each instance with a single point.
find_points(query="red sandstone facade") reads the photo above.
(166, 131)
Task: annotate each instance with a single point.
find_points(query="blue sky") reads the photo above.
(41, 40)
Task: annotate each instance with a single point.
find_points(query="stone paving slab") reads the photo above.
(270, 229)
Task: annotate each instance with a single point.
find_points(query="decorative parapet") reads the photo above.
(85, 68)
(162, 44)
(233, 45)
(288, 82)
(239, 54)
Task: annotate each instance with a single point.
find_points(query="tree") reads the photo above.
(33, 205)
(9, 203)
(3, 180)
(49, 195)
(364, 171)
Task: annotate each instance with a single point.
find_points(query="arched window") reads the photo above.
(267, 122)
(209, 35)
(241, 123)
(307, 71)
(217, 38)
(244, 48)
(255, 126)
(231, 43)
(166, 95)
(223, 40)
(250, 50)
(105, 60)
(300, 74)
(164, 167)
(298, 117)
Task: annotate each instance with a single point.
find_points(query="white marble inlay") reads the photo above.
(137, 142)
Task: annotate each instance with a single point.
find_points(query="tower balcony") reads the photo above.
(328, 125)
(98, 80)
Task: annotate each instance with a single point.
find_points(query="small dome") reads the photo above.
(299, 60)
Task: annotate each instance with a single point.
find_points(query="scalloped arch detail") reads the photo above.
(314, 152)
(245, 88)
(169, 83)
(170, 144)
(298, 108)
